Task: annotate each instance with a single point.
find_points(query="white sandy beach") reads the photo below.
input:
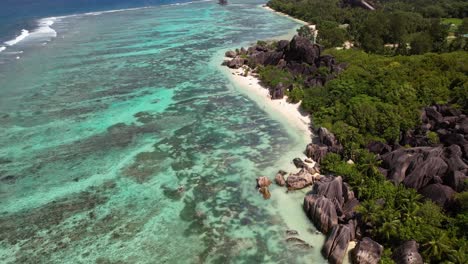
(291, 112)
(286, 15)
(289, 205)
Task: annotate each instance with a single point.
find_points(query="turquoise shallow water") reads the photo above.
(101, 126)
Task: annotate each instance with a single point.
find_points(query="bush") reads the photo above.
(433, 137)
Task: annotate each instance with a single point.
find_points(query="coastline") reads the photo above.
(285, 15)
(297, 126)
(292, 113)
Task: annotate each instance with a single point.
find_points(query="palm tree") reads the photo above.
(369, 164)
(437, 247)
(389, 229)
(369, 211)
(459, 256)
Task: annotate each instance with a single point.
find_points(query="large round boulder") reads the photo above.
(367, 251)
(407, 253)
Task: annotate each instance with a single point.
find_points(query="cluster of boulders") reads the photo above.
(436, 169)
(331, 207)
(299, 56)
(327, 143)
(262, 185)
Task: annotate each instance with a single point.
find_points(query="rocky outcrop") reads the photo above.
(327, 138)
(265, 192)
(230, 54)
(327, 143)
(301, 49)
(279, 178)
(437, 171)
(407, 253)
(300, 180)
(367, 251)
(262, 186)
(299, 56)
(316, 151)
(336, 244)
(439, 194)
(263, 181)
(378, 147)
(278, 91)
(331, 188)
(236, 63)
(321, 211)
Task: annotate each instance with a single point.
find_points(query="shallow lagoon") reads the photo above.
(100, 127)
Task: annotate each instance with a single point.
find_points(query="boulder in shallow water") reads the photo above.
(230, 54)
(265, 192)
(279, 178)
(300, 180)
(263, 181)
(336, 244)
(236, 63)
(299, 163)
(367, 251)
(407, 253)
(321, 211)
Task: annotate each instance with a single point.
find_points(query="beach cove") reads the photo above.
(125, 139)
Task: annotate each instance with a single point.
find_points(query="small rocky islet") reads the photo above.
(437, 170)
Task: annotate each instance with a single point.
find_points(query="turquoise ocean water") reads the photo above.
(122, 140)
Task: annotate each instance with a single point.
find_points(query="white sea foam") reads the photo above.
(23, 35)
(45, 32)
(44, 27)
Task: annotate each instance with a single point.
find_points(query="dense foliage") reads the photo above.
(396, 214)
(407, 27)
(380, 97)
(377, 98)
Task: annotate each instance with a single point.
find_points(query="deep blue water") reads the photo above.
(16, 15)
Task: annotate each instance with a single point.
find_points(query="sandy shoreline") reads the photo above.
(290, 112)
(297, 125)
(286, 15)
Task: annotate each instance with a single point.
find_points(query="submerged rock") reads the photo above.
(265, 192)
